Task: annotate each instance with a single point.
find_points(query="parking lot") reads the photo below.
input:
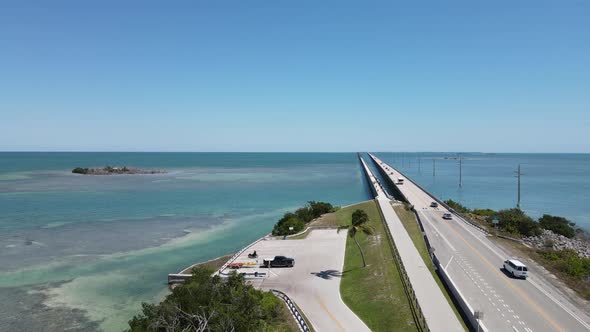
(313, 283)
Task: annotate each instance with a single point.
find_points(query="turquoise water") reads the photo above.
(103, 244)
(82, 252)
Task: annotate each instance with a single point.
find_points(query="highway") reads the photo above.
(474, 263)
(437, 312)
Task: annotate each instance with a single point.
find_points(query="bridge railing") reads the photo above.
(372, 179)
(301, 322)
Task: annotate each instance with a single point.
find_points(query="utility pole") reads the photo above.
(518, 174)
(460, 172)
(433, 167)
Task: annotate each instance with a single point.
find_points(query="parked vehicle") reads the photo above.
(516, 268)
(434, 204)
(447, 216)
(279, 261)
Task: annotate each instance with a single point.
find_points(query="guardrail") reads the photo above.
(417, 314)
(461, 217)
(303, 326)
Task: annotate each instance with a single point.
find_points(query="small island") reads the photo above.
(110, 170)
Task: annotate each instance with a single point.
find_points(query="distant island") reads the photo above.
(109, 170)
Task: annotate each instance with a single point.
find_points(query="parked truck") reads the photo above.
(279, 261)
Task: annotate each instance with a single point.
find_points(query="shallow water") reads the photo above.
(82, 252)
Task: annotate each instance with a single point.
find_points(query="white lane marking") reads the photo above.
(527, 329)
(514, 328)
(586, 325)
(436, 229)
(450, 260)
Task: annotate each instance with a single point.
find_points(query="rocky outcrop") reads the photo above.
(550, 240)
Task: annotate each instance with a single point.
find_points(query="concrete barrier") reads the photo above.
(459, 298)
(466, 309)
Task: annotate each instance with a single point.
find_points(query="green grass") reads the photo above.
(410, 223)
(285, 322)
(375, 293)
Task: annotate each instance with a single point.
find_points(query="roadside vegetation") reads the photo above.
(410, 223)
(514, 222)
(295, 222)
(210, 303)
(375, 292)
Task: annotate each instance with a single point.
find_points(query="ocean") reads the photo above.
(82, 252)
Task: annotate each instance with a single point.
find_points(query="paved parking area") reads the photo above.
(314, 282)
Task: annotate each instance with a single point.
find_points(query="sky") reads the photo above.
(488, 76)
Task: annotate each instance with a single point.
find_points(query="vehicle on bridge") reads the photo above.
(400, 180)
(279, 261)
(434, 204)
(516, 268)
(447, 216)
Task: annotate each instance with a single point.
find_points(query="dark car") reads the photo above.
(434, 204)
(279, 261)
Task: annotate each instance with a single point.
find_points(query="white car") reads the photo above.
(447, 216)
(516, 268)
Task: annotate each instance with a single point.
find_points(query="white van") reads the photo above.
(516, 268)
(400, 180)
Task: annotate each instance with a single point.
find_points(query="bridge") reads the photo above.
(473, 265)
(431, 303)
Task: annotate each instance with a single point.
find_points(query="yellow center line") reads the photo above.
(503, 277)
(331, 316)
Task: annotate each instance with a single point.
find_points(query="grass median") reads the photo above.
(375, 293)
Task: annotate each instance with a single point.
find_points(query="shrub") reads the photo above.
(517, 222)
(568, 262)
(319, 208)
(300, 217)
(288, 220)
(457, 206)
(211, 303)
(558, 225)
(484, 212)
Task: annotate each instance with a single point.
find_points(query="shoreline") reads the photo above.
(212, 261)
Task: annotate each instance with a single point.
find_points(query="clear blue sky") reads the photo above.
(503, 76)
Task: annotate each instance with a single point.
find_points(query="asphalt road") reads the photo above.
(475, 265)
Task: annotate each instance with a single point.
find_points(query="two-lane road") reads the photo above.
(474, 263)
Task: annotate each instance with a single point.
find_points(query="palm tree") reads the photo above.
(359, 220)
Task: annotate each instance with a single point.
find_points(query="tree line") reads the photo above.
(294, 222)
(515, 221)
